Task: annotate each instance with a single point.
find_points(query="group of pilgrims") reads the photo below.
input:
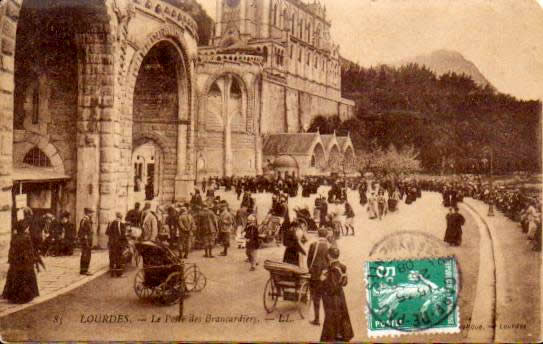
(516, 201)
(205, 221)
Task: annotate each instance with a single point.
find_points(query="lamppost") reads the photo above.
(488, 150)
(491, 203)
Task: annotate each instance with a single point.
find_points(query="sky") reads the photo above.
(504, 38)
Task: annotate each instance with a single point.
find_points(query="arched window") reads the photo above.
(313, 161)
(309, 33)
(215, 90)
(293, 24)
(285, 19)
(36, 157)
(274, 14)
(235, 90)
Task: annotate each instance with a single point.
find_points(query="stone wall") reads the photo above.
(46, 98)
(289, 109)
(244, 156)
(9, 13)
(273, 108)
(213, 154)
(346, 109)
(293, 111)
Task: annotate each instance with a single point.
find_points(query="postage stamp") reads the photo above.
(412, 296)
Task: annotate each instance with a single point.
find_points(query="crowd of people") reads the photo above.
(205, 222)
(519, 204)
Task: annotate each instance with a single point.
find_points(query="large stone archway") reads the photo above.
(157, 97)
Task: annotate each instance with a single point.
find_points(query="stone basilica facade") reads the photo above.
(107, 102)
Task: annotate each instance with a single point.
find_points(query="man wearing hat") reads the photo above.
(317, 261)
(149, 224)
(226, 224)
(253, 241)
(116, 232)
(186, 229)
(85, 241)
(208, 225)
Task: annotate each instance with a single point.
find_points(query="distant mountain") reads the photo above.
(444, 61)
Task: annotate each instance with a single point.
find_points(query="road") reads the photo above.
(232, 290)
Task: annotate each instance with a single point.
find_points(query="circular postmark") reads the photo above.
(412, 284)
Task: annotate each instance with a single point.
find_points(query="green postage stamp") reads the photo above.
(412, 296)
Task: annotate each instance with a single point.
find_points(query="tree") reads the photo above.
(324, 125)
(368, 160)
(446, 118)
(391, 160)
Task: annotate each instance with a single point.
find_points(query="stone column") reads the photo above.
(265, 30)
(109, 157)
(227, 128)
(227, 150)
(182, 179)
(97, 153)
(218, 24)
(8, 21)
(243, 17)
(258, 154)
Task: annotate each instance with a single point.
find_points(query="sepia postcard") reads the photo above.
(271, 170)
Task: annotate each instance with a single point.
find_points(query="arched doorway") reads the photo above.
(147, 160)
(349, 155)
(318, 158)
(159, 107)
(335, 159)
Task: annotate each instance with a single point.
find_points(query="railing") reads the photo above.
(240, 58)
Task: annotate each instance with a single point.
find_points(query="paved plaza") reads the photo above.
(234, 291)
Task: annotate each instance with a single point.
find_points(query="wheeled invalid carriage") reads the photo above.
(288, 282)
(164, 276)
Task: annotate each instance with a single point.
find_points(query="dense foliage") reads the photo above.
(450, 120)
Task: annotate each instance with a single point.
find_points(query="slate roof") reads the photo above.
(286, 144)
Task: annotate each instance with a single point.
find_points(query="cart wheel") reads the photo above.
(271, 295)
(140, 289)
(304, 300)
(172, 290)
(201, 282)
(191, 277)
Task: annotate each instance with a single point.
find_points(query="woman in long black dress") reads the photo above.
(293, 245)
(337, 323)
(453, 234)
(21, 282)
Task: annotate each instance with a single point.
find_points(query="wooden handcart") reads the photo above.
(288, 282)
